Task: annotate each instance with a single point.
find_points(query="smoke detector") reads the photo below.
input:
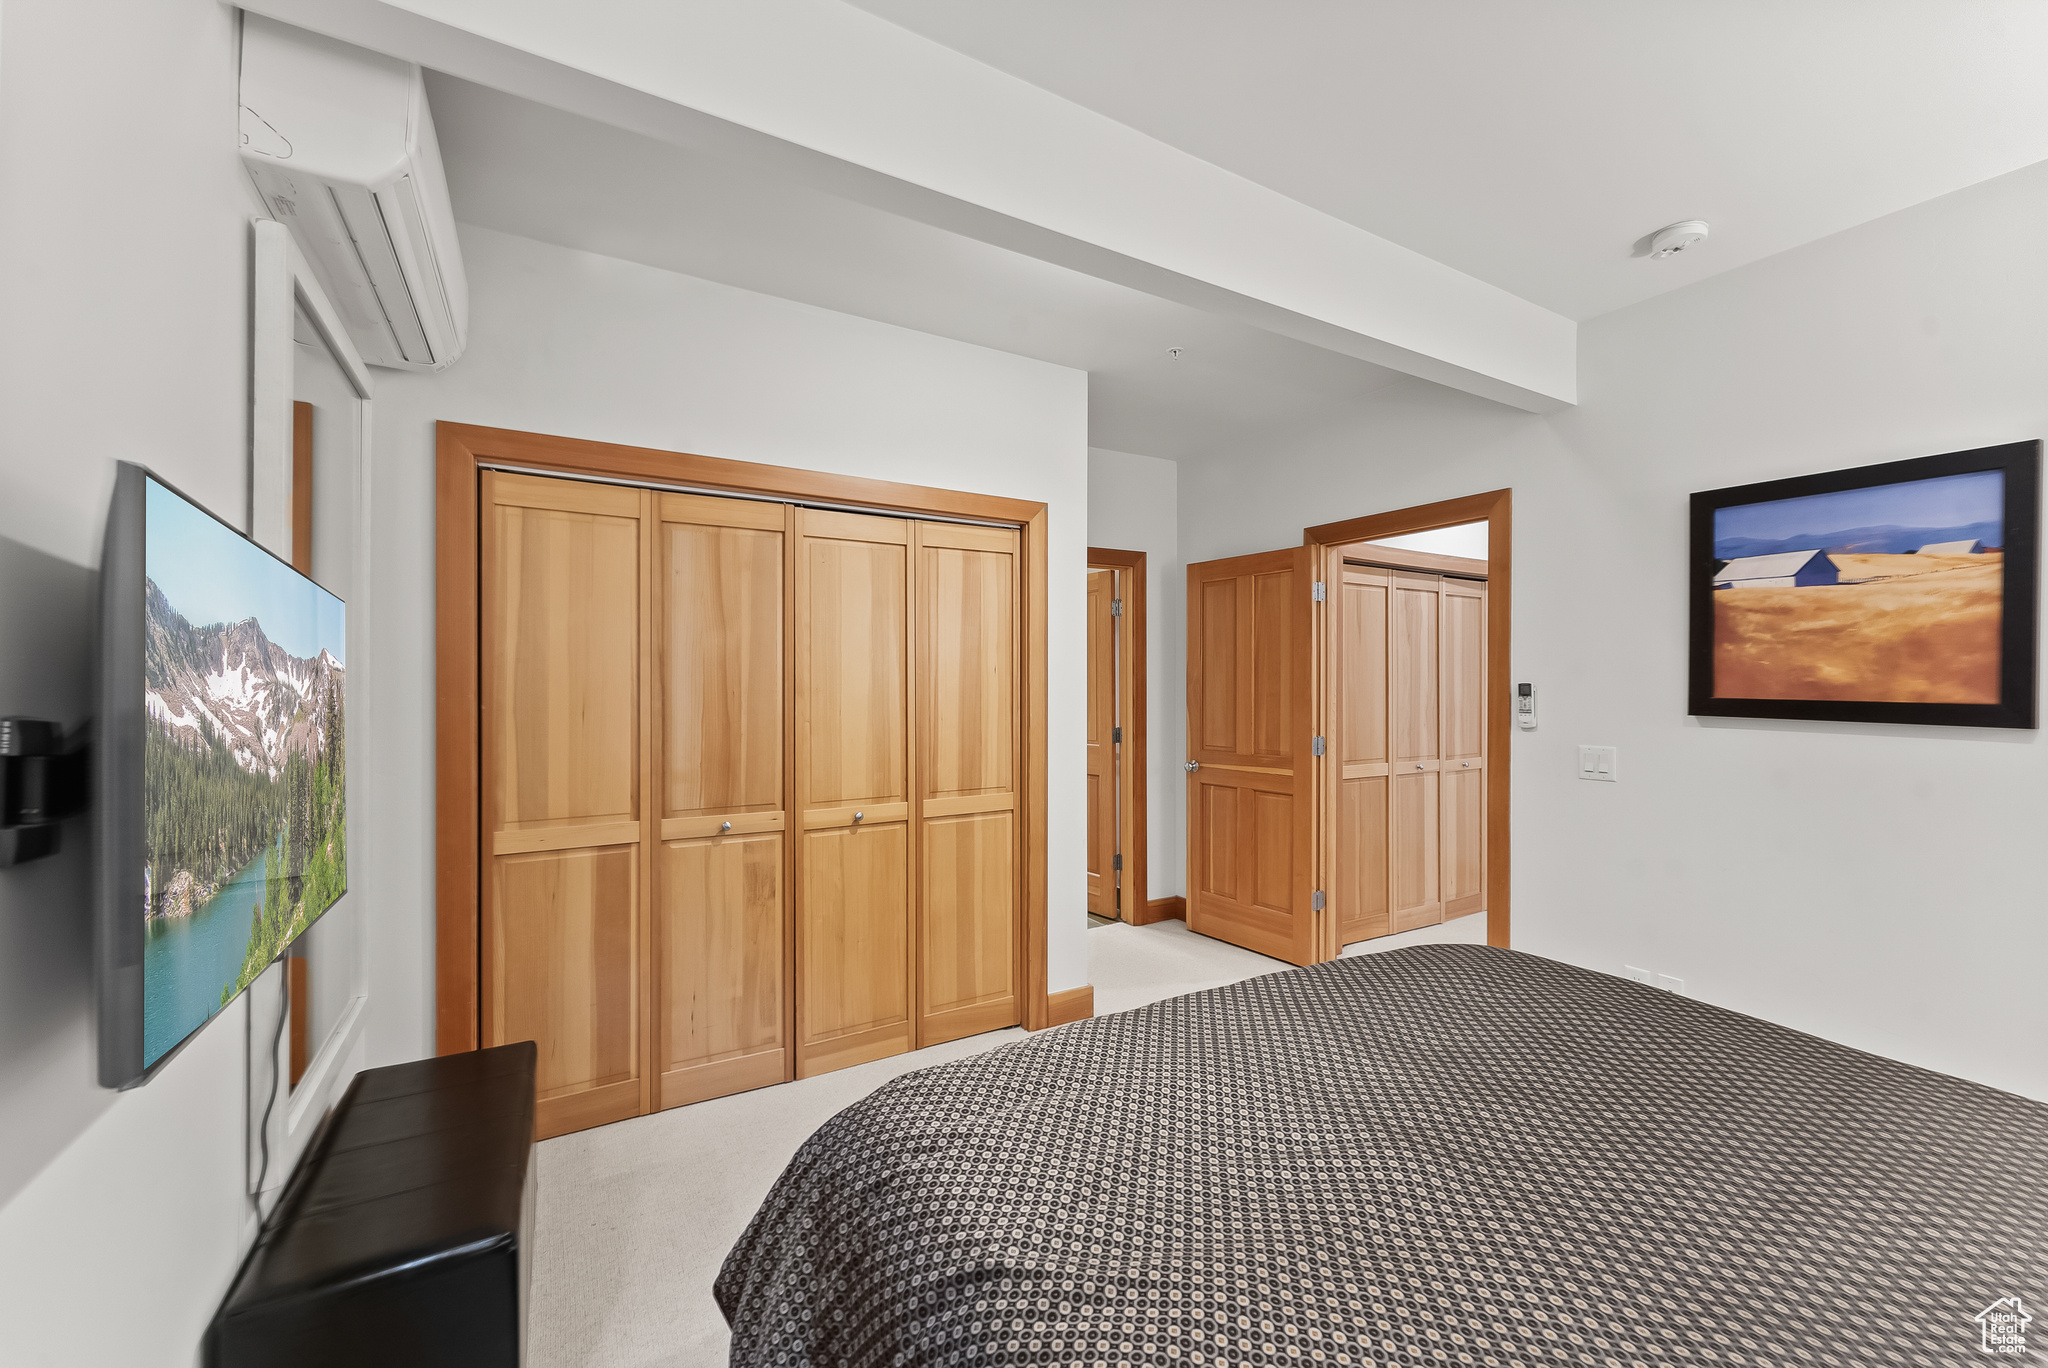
(1679, 236)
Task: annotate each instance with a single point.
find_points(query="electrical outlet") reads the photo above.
(1639, 975)
(1670, 984)
(1598, 762)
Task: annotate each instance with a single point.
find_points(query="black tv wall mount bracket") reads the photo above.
(41, 783)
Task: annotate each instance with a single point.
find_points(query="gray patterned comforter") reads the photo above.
(1439, 1155)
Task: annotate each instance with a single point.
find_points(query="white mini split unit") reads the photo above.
(341, 147)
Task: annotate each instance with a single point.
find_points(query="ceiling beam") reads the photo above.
(838, 99)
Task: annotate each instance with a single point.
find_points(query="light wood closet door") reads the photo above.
(854, 965)
(1461, 685)
(1102, 768)
(1416, 751)
(1251, 833)
(1360, 747)
(968, 643)
(721, 938)
(564, 615)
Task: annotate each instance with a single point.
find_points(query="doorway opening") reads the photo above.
(1405, 772)
(1117, 866)
(1316, 810)
(1417, 708)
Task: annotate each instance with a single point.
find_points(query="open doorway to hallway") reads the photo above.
(1116, 737)
(1348, 717)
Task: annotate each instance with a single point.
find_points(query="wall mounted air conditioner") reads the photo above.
(341, 147)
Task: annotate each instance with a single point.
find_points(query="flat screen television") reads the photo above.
(220, 769)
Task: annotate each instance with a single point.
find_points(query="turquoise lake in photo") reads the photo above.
(186, 961)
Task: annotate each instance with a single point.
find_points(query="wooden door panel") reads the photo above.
(968, 692)
(1361, 860)
(1463, 839)
(853, 741)
(1101, 857)
(854, 914)
(970, 938)
(1102, 770)
(562, 929)
(722, 669)
(1416, 897)
(1275, 656)
(1216, 806)
(1362, 696)
(1272, 846)
(854, 937)
(1358, 790)
(562, 671)
(1251, 840)
(967, 605)
(719, 920)
(720, 906)
(1219, 647)
(1463, 670)
(1462, 830)
(562, 970)
(1412, 650)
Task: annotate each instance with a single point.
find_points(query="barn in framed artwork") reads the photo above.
(1902, 592)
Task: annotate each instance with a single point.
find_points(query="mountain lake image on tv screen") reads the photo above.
(244, 765)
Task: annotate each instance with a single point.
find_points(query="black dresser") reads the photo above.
(405, 1235)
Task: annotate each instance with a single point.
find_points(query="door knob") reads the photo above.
(857, 816)
(724, 827)
(1419, 767)
(1192, 765)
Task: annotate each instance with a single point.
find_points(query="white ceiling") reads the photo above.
(525, 168)
(1533, 145)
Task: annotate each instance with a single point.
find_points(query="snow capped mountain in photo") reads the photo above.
(261, 700)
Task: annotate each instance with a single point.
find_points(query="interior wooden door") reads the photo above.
(1102, 766)
(1251, 829)
(721, 907)
(854, 967)
(1461, 688)
(564, 615)
(1415, 753)
(1359, 744)
(968, 692)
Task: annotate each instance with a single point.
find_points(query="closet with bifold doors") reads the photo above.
(1408, 738)
(750, 789)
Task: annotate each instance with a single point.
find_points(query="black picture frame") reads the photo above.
(2016, 707)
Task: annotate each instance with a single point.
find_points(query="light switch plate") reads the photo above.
(1642, 976)
(1670, 984)
(1598, 762)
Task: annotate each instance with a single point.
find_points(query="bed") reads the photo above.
(1447, 1154)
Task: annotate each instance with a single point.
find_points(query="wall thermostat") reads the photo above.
(1525, 706)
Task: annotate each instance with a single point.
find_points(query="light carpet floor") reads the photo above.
(635, 1218)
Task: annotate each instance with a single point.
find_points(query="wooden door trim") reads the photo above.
(1133, 769)
(1496, 509)
(461, 451)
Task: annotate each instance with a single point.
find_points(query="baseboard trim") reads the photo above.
(1070, 1004)
(1165, 909)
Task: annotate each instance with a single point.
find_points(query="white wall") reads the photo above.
(127, 337)
(1878, 885)
(1133, 505)
(586, 346)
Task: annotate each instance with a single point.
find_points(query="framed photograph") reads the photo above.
(1902, 592)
